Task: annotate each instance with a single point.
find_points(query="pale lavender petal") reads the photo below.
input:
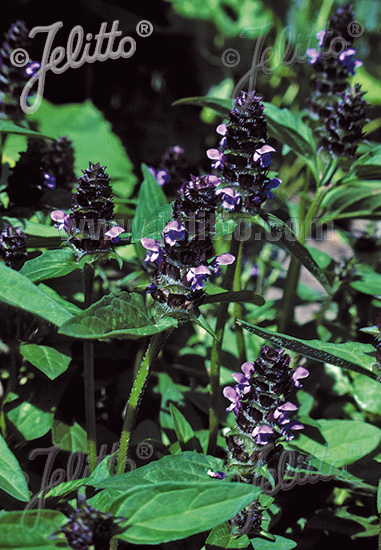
(231, 394)
(321, 36)
(114, 232)
(221, 129)
(150, 244)
(248, 369)
(265, 149)
(214, 154)
(239, 377)
(298, 374)
(225, 259)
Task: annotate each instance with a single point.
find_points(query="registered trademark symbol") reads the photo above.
(355, 29)
(144, 28)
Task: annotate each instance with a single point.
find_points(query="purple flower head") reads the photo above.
(313, 55)
(32, 68)
(299, 374)
(230, 198)
(215, 154)
(114, 232)
(222, 259)
(173, 232)
(273, 184)
(261, 434)
(49, 180)
(61, 219)
(234, 395)
(346, 58)
(155, 254)
(162, 176)
(197, 277)
(217, 475)
(321, 36)
(263, 155)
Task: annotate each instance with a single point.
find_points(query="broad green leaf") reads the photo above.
(283, 234)
(117, 316)
(368, 166)
(184, 431)
(245, 18)
(290, 129)
(58, 298)
(379, 497)
(31, 421)
(18, 291)
(247, 296)
(184, 467)
(152, 203)
(12, 479)
(280, 543)
(50, 264)
(31, 530)
(8, 127)
(170, 510)
(345, 441)
(353, 356)
(46, 359)
(34, 229)
(69, 438)
(92, 137)
(367, 280)
(367, 395)
(221, 537)
(152, 226)
(355, 199)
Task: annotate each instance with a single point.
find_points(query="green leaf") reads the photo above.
(33, 229)
(221, 537)
(117, 316)
(17, 290)
(247, 296)
(69, 438)
(244, 18)
(185, 467)
(353, 356)
(367, 395)
(287, 237)
(379, 497)
(46, 359)
(368, 166)
(344, 441)
(31, 530)
(30, 421)
(184, 431)
(8, 127)
(221, 106)
(176, 510)
(152, 226)
(355, 199)
(50, 264)
(280, 543)
(290, 129)
(78, 121)
(367, 280)
(151, 200)
(12, 479)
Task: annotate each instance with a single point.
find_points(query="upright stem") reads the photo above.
(88, 359)
(215, 357)
(238, 309)
(136, 395)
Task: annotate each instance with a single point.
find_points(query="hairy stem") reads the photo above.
(136, 395)
(88, 359)
(215, 357)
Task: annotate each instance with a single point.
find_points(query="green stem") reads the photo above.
(88, 359)
(215, 357)
(136, 395)
(286, 314)
(238, 308)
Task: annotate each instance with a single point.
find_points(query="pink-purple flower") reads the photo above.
(155, 253)
(229, 198)
(173, 232)
(197, 276)
(263, 156)
(298, 374)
